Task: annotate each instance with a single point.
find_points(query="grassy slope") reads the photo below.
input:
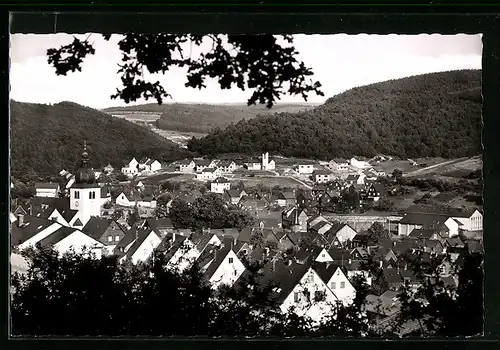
(430, 115)
(46, 139)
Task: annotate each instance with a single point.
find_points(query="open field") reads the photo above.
(451, 168)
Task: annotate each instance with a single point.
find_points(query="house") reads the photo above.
(266, 163)
(56, 209)
(284, 240)
(149, 165)
(106, 231)
(253, 164)
(145, 241)
(28, 230)
(382, 309)
(321, 176)
(315, 220)
(220, 265)
(108, 169)
(185, 166)
(360, 164)
(295, 288)
(50, 190)
(227, 166)
(340, 232)
(163, 225)
(220, 185)
(312, 253)
(234, 196)
(294, 219)
(305, 199)
(336, 279)
(202, 164)
(374, 192)
(338, 165)
(321, 227)
(355, 179)
(360, 240)
(133, 198)
(208, 174)
(305, 168)
(131, 169)
(286, 198)
(68, 239)
(447, 226)
(468, 219)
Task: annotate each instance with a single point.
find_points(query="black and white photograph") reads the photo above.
(246, 186)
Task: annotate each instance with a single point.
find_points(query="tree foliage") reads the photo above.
(429, 115)
(258, 62)
(377, 233)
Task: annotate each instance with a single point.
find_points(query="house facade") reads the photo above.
(306, 168)
(338, 165)
(186, 166)
(322, 176)
(208, 174)
(50, 190)
(220, 185)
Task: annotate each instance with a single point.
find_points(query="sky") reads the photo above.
(340, 62)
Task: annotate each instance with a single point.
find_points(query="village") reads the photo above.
(314, 225)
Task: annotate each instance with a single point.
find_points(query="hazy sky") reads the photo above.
(339, 62)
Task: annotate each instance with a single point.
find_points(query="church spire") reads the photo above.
(85, 174)
(85, 155)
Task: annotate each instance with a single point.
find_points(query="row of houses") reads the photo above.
(200, 166)
(141, 167)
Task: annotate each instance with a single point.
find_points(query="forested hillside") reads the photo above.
(436, 114)
(46, 139)
(203, 118)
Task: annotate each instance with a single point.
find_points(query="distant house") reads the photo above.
(321, 227)
(341, 232)
(28, 230)
(108, 232)
(108, 169)
(338, 165)
(227, 166)
(286, 198)
(220, 185)
(374, 192)
(305, 168)
(131, 169)
(322, 176)
(446, 226)
(185, 166)
(208, 174)
(133, 198)
(50, 190)
(358, 179)
(234, 196)
(253, 164)
(305, 199)
(202, 164)
(294, 219)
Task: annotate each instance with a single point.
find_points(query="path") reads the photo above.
(423, 170)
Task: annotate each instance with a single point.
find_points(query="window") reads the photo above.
(323, 255)
(117, 238)
(342, 285)
(230, 260)
(110, 238)
(235, 272)
(77, 194)
(296, 296)
(334, 285)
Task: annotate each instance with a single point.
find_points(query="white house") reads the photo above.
(343, 233)
(145, 242)
(253, 164)
(47, 190)
(227, 166)
(337, 281)
(322, 176)
(223, 267)
(356, 179)
(208, 174)
(220, 185)
(148, 165)
(133, 198)
(338, 165)
(305, 168)
(360, 164)
(471, 220)
(29, 230)
(444, 224)
(186, 166)
(132, 168)
(202, 164)
(310, 290)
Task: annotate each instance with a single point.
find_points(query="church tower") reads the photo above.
(85, 194)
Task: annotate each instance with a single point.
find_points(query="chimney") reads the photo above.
(350, 261)
(173, 236)
(380, 264)
(20, 220)
(235, 241)
(406, 267)
(289, 262)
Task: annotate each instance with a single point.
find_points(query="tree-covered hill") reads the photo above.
(203, 118)
(437, 114)
(48, 138)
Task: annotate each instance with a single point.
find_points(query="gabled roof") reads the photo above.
(339, 254)
(32, 225)
(321, 172)
(233, 193)
(47, 185)
(286, 195)
(160, 224)
(425, 219)
(185, 162)
(203, 162)
(129, 238)
(96, 227)
(58, 236)
(245, 234)
(308, 252)
(392, 276)
(455, 242)
(61, 204)
(221, 180)
(209, 170)
(325, 270)
(225, 163)
(422, 233)
(448, 212)
(141, 235)
(219, 257)
(168, 246)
